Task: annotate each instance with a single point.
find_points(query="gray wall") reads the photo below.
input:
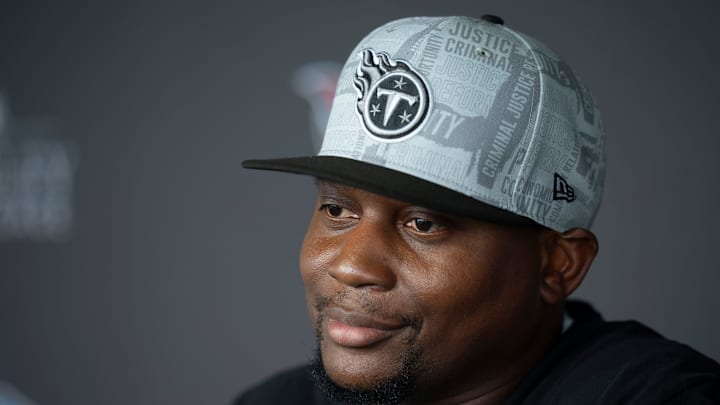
(179, 281)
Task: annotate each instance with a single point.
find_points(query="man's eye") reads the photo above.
(421, 225)
(334, 211)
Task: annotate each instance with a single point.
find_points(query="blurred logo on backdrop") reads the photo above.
(315, 82)
(36, 179)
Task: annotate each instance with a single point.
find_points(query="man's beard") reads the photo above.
(389, 391)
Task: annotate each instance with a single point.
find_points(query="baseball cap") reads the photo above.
(466, 116)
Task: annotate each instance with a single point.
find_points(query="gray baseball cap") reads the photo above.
(465, 116)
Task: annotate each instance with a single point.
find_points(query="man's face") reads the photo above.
(395, 288)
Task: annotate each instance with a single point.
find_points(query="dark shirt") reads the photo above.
(593, 362)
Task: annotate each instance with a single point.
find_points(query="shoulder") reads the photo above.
(629, 360)
(292, 386)
(619, 362)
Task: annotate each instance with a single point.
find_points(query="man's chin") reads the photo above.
(389, 389)
(361, 368)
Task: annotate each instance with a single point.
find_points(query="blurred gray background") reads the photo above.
(178, 283)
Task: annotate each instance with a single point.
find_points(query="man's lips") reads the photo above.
(352, 329)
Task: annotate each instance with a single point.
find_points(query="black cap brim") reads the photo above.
(390, 183)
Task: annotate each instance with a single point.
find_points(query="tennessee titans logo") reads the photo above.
(393, 99)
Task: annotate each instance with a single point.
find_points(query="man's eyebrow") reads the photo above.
(329, 186)
(337, 193)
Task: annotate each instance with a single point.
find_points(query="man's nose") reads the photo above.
(365, 258)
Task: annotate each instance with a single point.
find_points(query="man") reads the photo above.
(460, 171)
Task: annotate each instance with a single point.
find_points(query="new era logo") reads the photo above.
(562, 190)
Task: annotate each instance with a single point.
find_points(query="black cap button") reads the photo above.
(493, 19)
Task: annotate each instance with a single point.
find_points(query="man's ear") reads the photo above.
(568, 256)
